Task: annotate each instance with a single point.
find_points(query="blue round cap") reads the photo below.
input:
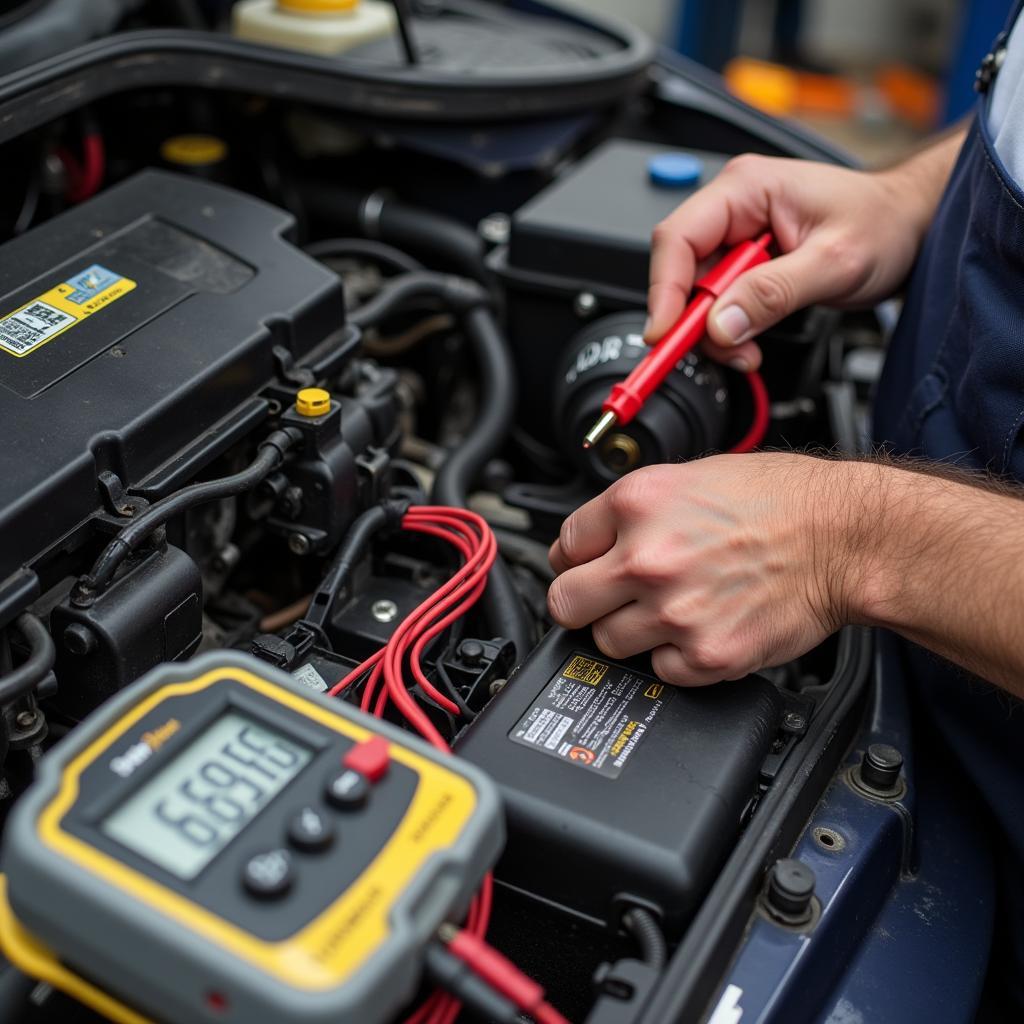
(675, 170)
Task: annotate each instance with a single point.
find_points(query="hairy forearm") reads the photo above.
(936, 556)
(920, 179)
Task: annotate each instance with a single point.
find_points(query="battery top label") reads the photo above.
(593, 714)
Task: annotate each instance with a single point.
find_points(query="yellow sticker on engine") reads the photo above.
(58, 310)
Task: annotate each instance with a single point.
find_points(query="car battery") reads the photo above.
(620, 789)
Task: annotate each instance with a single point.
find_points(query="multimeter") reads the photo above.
(218, 844)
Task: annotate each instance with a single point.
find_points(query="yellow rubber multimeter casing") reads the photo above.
(200, 850)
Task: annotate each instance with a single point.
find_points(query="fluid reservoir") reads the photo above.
(324, 27)
(686, 417)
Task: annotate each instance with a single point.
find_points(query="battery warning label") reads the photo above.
(59, 309)
(593, 714)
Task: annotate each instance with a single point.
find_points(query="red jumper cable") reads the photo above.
(627, 398)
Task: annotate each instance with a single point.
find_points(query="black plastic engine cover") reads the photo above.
(619, 788)
(129, 327)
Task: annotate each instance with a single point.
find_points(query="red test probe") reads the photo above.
(627, 399)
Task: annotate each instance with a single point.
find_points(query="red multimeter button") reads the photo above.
(369, 758)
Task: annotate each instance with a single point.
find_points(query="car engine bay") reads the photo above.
(260, 313)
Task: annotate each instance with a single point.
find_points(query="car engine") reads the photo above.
(248, 320)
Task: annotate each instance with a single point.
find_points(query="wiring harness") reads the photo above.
(462, 959)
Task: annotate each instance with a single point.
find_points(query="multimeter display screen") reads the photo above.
(192, 808)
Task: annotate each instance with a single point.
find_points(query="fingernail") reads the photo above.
(739, 363)
(733, 323)
(647, 326)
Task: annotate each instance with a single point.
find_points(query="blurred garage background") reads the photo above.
(875, 76)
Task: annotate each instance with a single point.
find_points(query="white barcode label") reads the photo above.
(29, 327)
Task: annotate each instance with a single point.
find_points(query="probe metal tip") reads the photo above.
(600, 428)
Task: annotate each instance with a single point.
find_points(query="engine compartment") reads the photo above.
(214, 371)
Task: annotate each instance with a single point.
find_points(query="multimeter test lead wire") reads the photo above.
(474, 540)
(627, 398)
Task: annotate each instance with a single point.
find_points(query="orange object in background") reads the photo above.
(910, 94)
(784, 92)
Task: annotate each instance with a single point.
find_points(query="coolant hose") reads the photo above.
(34, 669)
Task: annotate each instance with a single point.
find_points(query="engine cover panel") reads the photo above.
(131, 325)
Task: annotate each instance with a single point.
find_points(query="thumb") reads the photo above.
(763, 296)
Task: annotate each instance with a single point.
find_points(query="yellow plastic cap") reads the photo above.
(322, 7)
(193, 150)
(312, 402)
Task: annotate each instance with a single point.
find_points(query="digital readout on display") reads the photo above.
(191, 809)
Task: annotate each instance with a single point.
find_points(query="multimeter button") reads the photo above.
(268, 875)
(310, 830)
(369, 758)
(347, 789)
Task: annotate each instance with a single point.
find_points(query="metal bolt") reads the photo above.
(384, 610)
(26, 719)
(496, 687)
(585, 304)
(495, 228)
(298, 544)
(794, 720)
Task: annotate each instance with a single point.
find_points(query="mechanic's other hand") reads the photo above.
(720, 566)
(846, 238)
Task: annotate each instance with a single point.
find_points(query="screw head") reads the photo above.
(26, 719)
(794, 721)
(298, 544)
(585, 304)
(384, 610)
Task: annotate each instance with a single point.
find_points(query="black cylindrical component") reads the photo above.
(880, 767)
(686, 417)
(791, 889)
(34, 669)
(646, 930)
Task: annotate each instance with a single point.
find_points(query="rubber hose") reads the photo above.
(644, 928)
(270, 456)
(34, 669)
(377, 215)
(502, 605)
(456, 293)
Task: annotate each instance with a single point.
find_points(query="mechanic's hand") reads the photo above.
(720, 566)
(847, 238)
